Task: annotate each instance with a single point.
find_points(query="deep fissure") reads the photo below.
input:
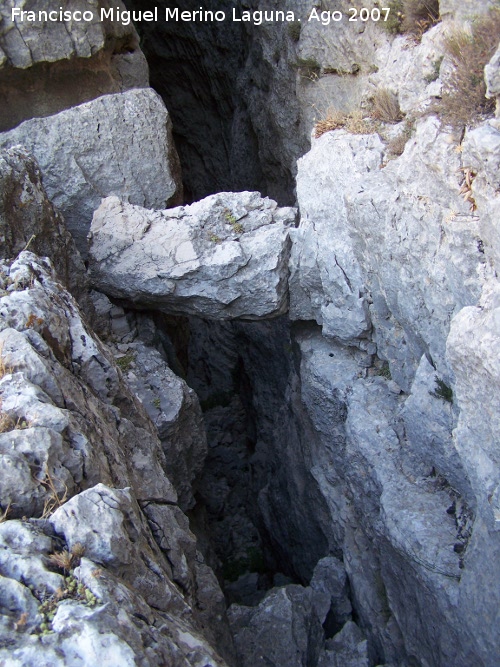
(214, 80)
(246, 374)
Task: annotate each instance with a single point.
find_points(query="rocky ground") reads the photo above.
(236, 432)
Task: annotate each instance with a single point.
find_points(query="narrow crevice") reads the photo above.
(216, 83)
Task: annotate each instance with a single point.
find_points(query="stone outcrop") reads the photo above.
(76, 444)
(46, 67)
(223, 257)
(84, 155)
(347, 488)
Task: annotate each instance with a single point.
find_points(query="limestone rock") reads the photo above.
(28, 219)
(473, 354)
(64, 402)
(282, 630)
(348, 648)
(48, 66)
(329, 583)
(325, 281)
(84, 154)
(225, 256)
(492, 75)
(125, 607)
(174, 409)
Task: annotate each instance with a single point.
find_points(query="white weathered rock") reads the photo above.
(126, 609)
(472, 348)
(174, 409)
(492, 75)
(48, 66)
(223, 257)
(66, 402)
(84, 154)
(434, 444)
(410, 69)
(326, 283)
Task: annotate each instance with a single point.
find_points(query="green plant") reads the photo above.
(157, 402)
(395, 17)
(73, 590)
(384, 371)
(385, 106)
(294, 29)
(214, 238)
(232, 220)
(125, 362)
(463, 100)
(442, 391)
(436, 68)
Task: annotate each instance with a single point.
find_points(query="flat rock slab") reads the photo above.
(223, 257)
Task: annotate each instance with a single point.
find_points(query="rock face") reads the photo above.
(346, 368)
(46, 67)
(282, 630)
(64, 429)
(28, 219)
(84, 155)
(223, 257)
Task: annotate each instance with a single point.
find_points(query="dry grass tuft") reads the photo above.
(463, 100)
(335, 120)
(396, 146)
(62, 559)
(5, 513)
(5, 369)
(385, 107)
(6, 422)
(55, 499)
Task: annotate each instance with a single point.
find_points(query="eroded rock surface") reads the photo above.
(64, 429)
(223, 257)
(29, 220)
(84, 154)
(46, 67)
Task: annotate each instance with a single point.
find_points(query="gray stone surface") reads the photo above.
(126, 610)
(492, 75)
(29, 220)
(84, 154)
(46, 67)
(223, 257)
(348, 648)
(329, 583)
(65, 401)
(282, 630)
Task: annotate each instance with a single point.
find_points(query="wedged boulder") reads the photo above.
(331, 599)
(282, 630)
(84, 154)
(47, 66)
(223, 257)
